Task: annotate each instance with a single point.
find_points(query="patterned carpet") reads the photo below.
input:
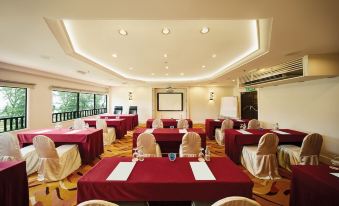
(63, 193)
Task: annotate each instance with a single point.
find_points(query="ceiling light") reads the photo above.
(166, 67)
(166, 74)
(165, 55)
(123, 32)
(233, 80)
(204, 30)
(131, 68)
(214, 55)
(181, 74)
(114, 55)
(152, 74)
(203, 66)
(166, 31)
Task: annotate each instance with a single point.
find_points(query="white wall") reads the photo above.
(311, 106)
(201, 107)
(141, 97)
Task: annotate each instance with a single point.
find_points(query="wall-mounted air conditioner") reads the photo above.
(309, 67)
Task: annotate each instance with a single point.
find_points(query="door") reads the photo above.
(249, 105)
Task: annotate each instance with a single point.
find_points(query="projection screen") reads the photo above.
(170, 102)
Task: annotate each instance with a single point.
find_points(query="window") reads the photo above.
(72, 105)
(13, 108)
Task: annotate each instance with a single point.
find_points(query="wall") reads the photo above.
(310, 106)
(39, 107)
(201, 107)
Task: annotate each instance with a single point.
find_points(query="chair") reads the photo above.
(157, 123)
(190, 146)
(220, 132)
(133, 110)
(236, 201)
(109, 134)
(78, 124)
(10, 150)
(307, 154)
(261, 160)
(253, 124)
(183, 124)
(118, 110)
(97, 203)
(55, 163)
(149, 145)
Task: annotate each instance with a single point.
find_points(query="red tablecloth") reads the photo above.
(13, 184)
(168, 123)
(132, 120)
(314, 186)
(234, 140)
(118, 124)
(158, 179)
(169, 140)
(90, 141)
(212, 124)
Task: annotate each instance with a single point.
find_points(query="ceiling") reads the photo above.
(295, 28)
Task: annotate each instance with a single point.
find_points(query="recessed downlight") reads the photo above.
(204, 30)
(214, 55)
(166, 67)
(233, 80)
(131, 68)
(114, 55)
(203, 66)
(166, 30)
(166, 74)
(123, 32)
(152, 74)
(165, 55)
(182, 74)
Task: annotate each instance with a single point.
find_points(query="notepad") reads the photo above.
(149, 131)
(280, 132)
(182, 131)
(42, 131)
(121, 171)
(201, 171)
(335, 174)
(73, 131)
(217, 120)
(244, 131)
(239, 120)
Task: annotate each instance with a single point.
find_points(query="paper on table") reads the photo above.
(42, 131)
(73, 131)
(239, 120)
(335, 174)
(183, 131)
(244, 131)
(201, 171)
(217, 120)
(280, 132)
(149, 131)
(121, 171)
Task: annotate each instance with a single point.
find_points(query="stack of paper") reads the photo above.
(201, 171)
(244, 131)
(335, 174)
(149, 131)
(280, 132)
(122, 171)
(42, 131)
(182, 131)
(73, 131)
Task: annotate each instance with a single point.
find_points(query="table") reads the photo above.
(313, 186)
(234, 140)
(158, 179)
(89, 141)
(132, 120)
(13, 183)
(212, 124)
(169, 140)
(168, 123)
(118, 124)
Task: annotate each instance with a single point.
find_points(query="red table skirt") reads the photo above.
(168, 123)
(131, 119)
(234, 140)
(90, 141)
(13, 184)
(314, 186)
(158, 179)
(118, 124)
(211, 125)
(169, 140)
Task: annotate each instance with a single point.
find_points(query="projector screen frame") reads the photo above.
(182, 101)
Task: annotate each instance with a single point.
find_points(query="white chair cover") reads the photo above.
(56, 163)
(190, 146)
(97, 203)
(261, 160)
(157, 123)
(9, 146)
(308, 154)
(253, 124)
(78, 124)
(108, 133)
(236, 201)
(220, 132)
(149, 145)
(183, 124)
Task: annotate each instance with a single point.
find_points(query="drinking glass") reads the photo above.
(135, 155)
(207, 154)
(140, 154)
(201, 155)
(172, 156)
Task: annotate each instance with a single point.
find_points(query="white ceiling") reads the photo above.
(298, 28)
